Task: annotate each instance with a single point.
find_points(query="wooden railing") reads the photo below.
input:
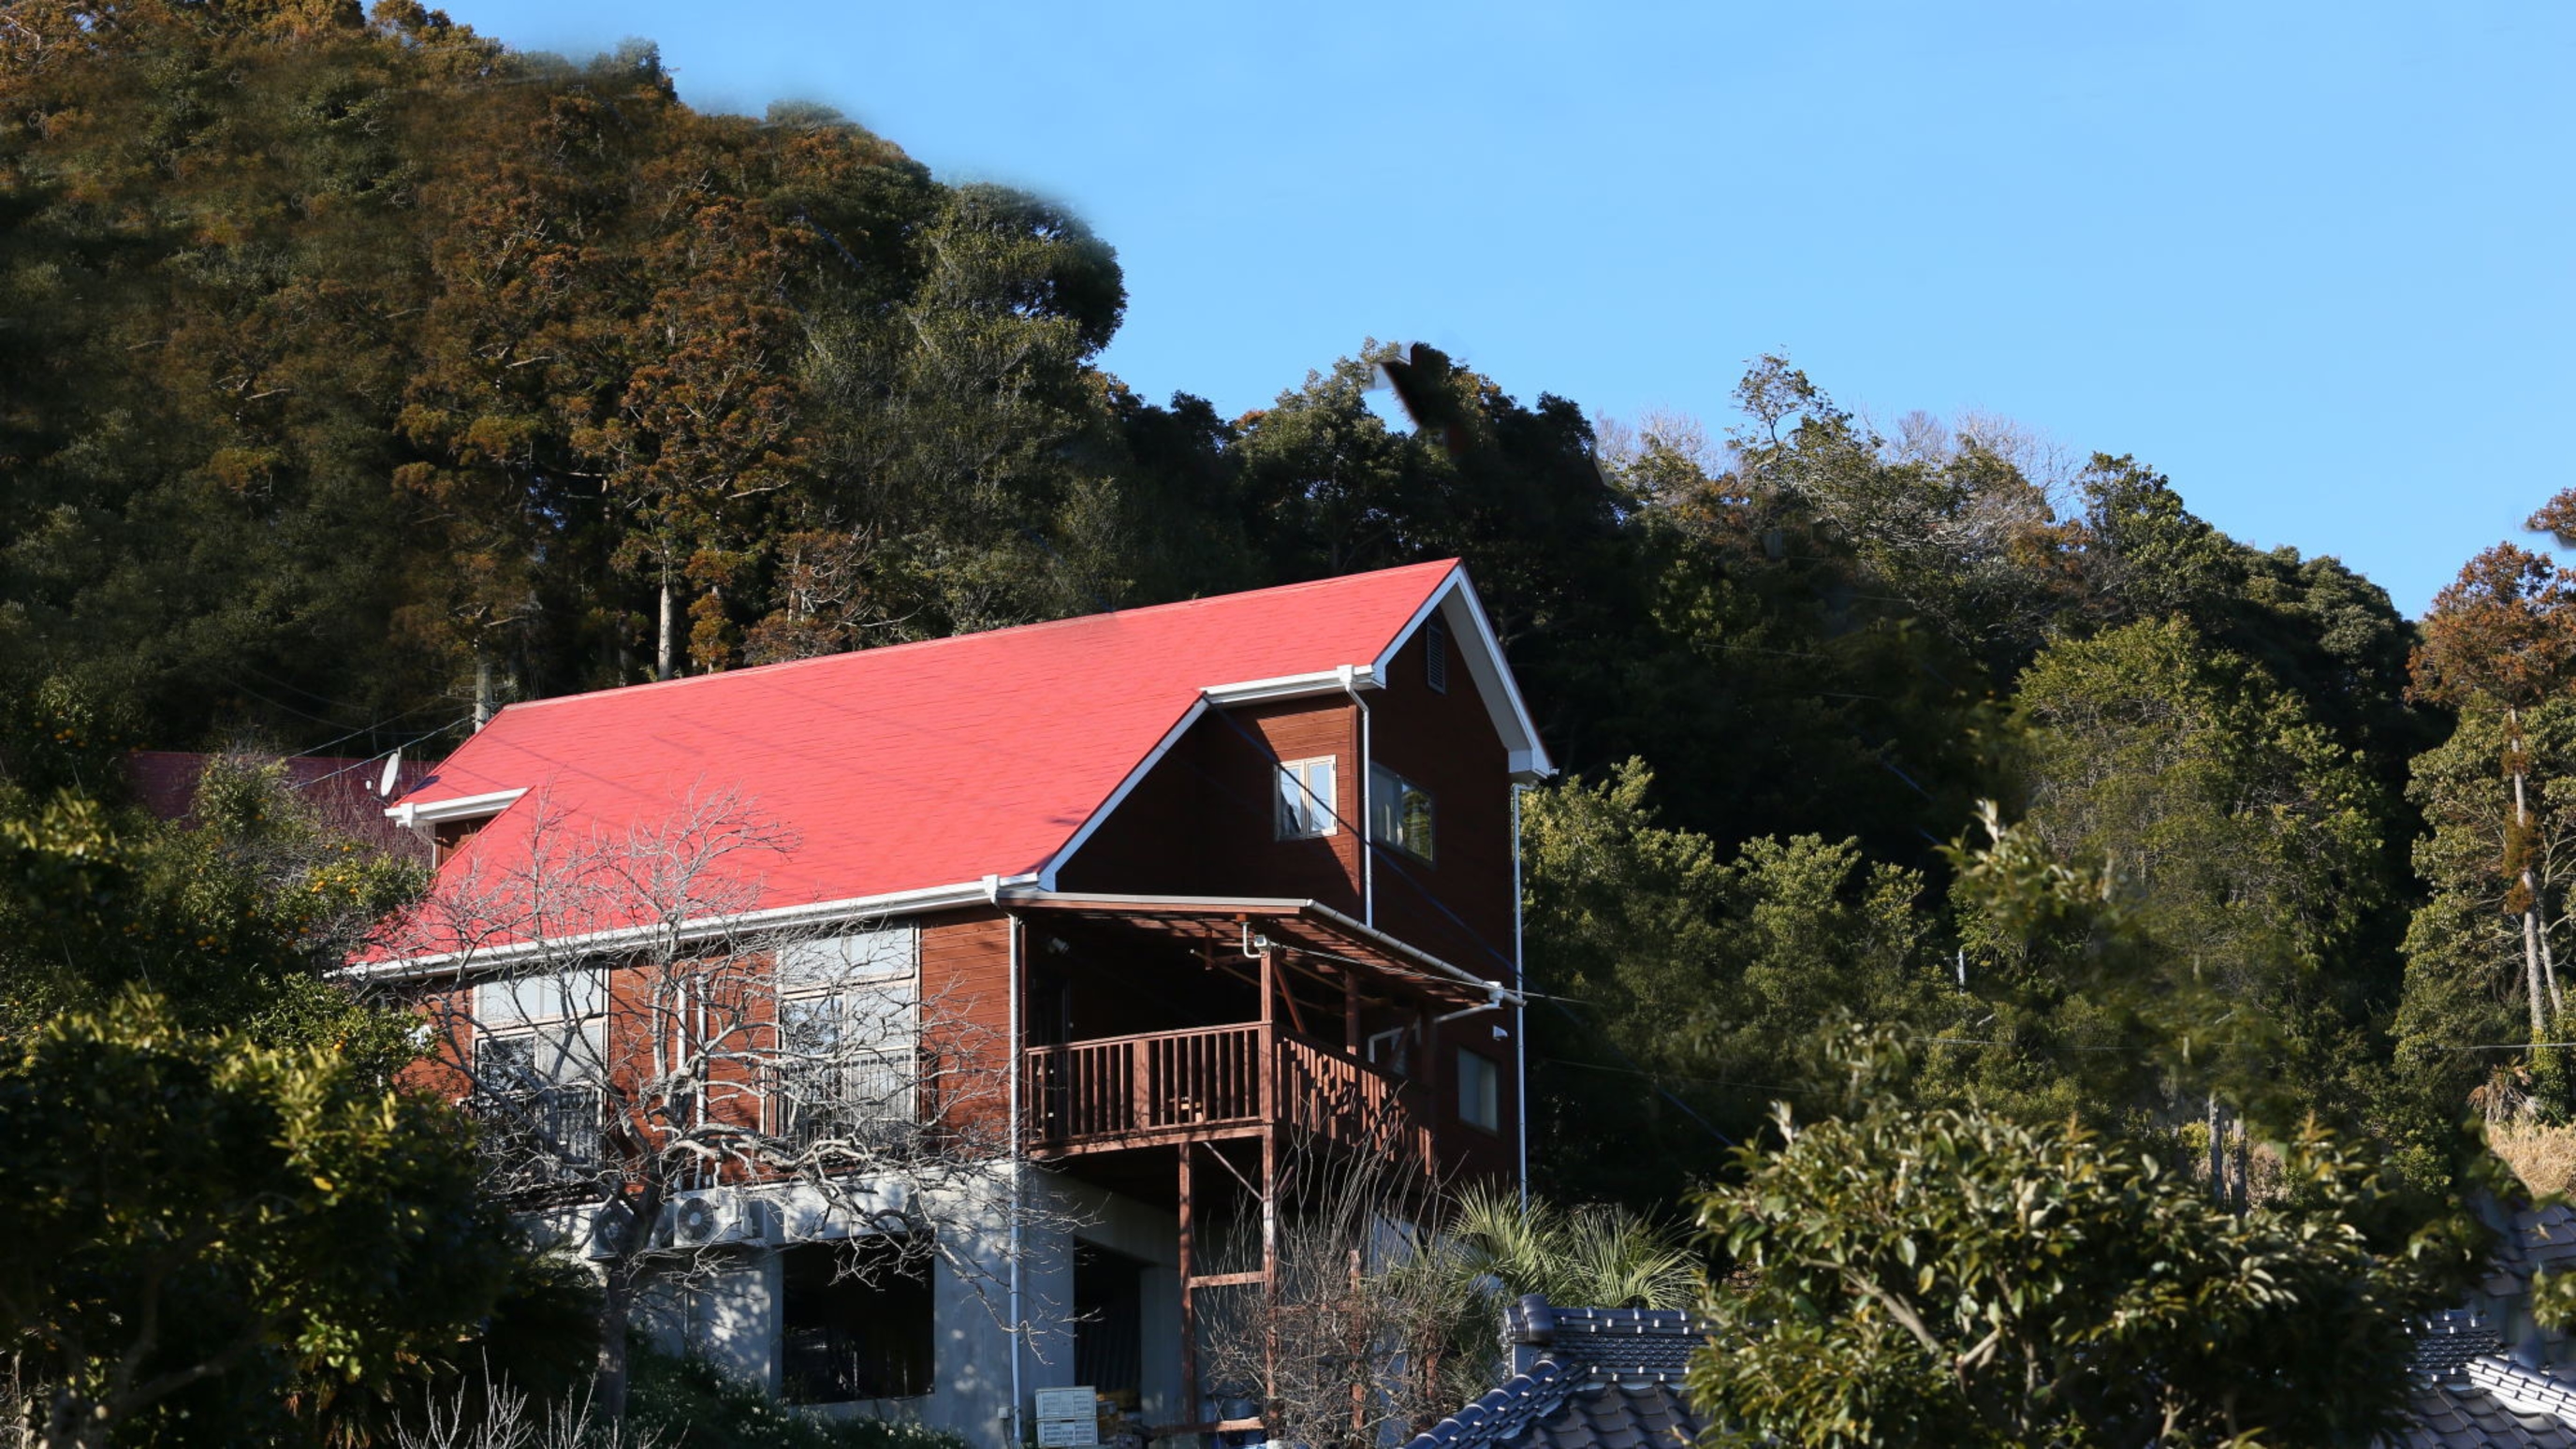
(1342, 1099)
(1127, 1090)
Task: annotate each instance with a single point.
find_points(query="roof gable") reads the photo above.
(918, 767)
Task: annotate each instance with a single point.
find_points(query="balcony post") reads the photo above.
(1189, 1302)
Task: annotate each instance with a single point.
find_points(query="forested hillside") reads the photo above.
(364, 375)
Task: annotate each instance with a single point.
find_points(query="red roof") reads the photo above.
(915, 766)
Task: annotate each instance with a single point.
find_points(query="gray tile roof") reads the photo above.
(1589, 1378)
(2469, 1395)
(2527, 1241)
(1611, 1378)
(2449, 1415)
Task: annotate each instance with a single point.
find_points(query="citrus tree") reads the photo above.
(202, 1223)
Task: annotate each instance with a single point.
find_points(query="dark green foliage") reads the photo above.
(1702, 980)
(2242, 839)
(693, 1406)
(2465, 987)
(1948, 1276)
(212, 1238)
(234, 921)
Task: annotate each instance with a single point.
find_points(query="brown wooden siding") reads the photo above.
(1204, 823)
(966, 1011)
(1458, 906)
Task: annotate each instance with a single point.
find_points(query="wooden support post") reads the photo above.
(1350, 1011)
(1434, 1103)
(1189, 1406)
(1269, 1264)
(1270, 1066)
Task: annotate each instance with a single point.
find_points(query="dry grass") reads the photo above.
(2543, 1157)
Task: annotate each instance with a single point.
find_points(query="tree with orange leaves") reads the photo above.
(2504, 634)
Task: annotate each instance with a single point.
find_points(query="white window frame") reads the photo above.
(1307, 804)
(562, 1016)
(883, 963)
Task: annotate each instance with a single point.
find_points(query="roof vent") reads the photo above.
(1435, 656)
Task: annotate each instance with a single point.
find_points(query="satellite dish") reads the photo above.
(393, 767)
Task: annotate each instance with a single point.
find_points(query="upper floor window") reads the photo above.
(1435, 655)
(1305, 798)
(848, 1071)
(1401, 813)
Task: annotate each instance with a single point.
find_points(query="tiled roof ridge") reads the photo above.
(2449, 1338)
(1672, 1321)
(1517, 1399)
(2518, 1386)
(916, 645)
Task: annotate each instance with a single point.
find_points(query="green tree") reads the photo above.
(2504, 633)
(2241, 838)
(2468, 948)
(235, 921)
(198, 1213)
(1701, 980)
(1945, 1276)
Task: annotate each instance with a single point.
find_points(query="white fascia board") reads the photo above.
(1044, 877)
(775, 918)
(1294, 686)
(1252, 691)
(461, 807)
(1492, 673)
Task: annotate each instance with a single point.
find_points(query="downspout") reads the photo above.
(1368, 848)
(1520, 1009)
(1011, 1415)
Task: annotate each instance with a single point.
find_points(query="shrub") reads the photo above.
(685, 1404)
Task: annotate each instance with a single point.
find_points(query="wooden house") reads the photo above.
(1223, 877)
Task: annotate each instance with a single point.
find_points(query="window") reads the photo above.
(1480, 1091)
(854, 1322)
(1392, 1049)
(537, 1064)
(846, 1070)
(1400, 813)
(1305, 798)
(1435, 655)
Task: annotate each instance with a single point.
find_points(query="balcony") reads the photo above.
(1217, 1081)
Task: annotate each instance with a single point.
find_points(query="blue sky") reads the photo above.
(2315, 262)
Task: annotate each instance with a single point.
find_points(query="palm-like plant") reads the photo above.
(1598, 1255)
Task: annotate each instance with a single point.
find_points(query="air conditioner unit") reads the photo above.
(851, 1210)
(612, 1228)
(710, 1219)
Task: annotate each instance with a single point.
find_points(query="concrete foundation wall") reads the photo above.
(726, 1307)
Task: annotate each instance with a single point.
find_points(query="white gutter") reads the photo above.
(1520, 1012)
(461, 807)
(927, 898)
(1293, 686)
(1360, 827)
(1019, 1162)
